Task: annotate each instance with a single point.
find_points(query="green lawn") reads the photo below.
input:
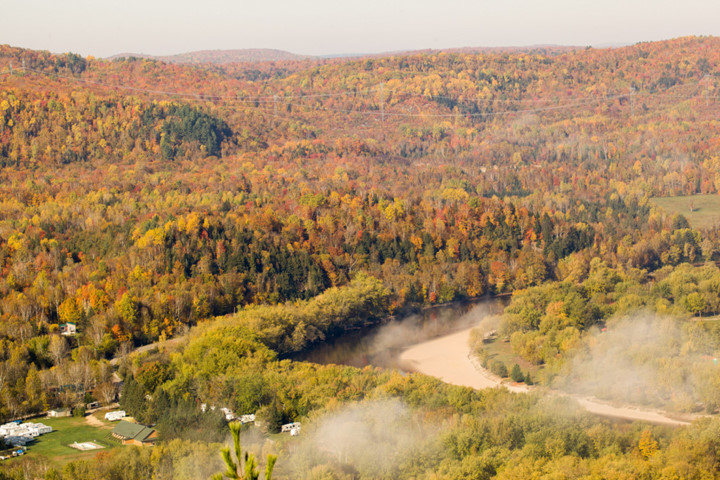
(497, 349)
(53, 447)
(705, 213)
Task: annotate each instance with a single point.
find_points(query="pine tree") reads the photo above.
(235, 468)
(133, 399)
(516, 374)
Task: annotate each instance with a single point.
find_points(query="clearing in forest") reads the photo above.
(702, 211)
(57, 447)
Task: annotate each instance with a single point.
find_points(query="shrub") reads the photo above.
(499, 368)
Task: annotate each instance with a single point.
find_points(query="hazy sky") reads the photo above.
(315, 27)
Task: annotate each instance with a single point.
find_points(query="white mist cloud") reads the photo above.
(375, 438)
(415, 329)
(648, 360)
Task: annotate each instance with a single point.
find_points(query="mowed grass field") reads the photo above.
(53, 447)
(706, 208)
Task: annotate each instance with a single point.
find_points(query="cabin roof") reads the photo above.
(132, 431)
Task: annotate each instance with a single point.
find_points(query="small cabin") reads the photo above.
(58, 413)
(68, 328)
(134, 434)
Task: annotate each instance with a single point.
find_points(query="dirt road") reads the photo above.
(146, 348)
(91, 420)
(448, 358)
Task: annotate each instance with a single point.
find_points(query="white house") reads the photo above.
(69, 328)
(58, 413)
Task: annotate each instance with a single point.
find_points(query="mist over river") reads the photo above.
(382, 345)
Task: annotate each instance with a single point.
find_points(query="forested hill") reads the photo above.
(256, 55)
(219, 56)
(140, 197)
(570, 107)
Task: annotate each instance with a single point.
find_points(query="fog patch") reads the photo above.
(196, 465)
(373, 439)
(648, 360)
(382, 346)
(420, 328)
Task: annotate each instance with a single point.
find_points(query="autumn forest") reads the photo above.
(248, 211)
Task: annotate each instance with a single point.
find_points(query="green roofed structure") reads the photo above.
(134, 434)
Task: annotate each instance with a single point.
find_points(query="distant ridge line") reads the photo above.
(256, 55)
(246, 55)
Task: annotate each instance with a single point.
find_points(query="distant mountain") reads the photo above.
(535, 49)
(251, 55)
(221, 56)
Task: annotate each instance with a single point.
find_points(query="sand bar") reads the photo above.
(448, 358)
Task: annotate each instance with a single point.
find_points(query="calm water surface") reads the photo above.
(381, 345)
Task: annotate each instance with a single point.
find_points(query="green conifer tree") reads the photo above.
(239, 469)
(516, 374)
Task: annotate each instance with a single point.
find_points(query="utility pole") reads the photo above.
(23, 65)
(10, 68)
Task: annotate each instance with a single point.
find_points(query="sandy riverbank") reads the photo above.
(448, 358)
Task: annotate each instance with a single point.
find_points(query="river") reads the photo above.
(382, 345)
(435, 342)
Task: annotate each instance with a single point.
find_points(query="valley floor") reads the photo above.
(449, 359)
